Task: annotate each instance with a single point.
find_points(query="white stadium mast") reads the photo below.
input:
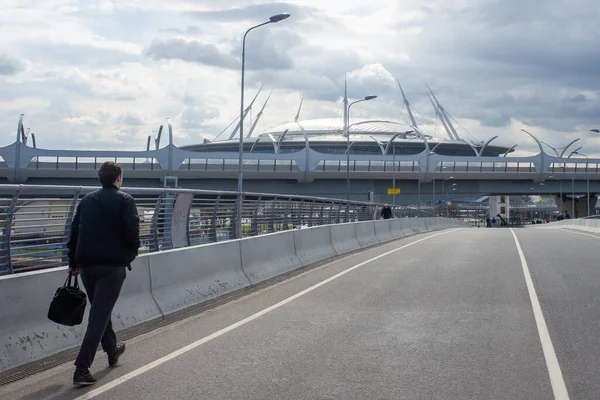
(407, 105)
(441, 112)
(237, 128)
(260, 113)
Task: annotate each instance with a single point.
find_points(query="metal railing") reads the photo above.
(36, 219)
(141, 164)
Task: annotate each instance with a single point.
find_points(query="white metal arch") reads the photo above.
(485, 145)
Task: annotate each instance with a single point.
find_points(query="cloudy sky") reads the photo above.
(104, 74)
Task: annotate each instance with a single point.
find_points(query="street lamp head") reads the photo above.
(595, 130)
(279, 17)
(370, 97)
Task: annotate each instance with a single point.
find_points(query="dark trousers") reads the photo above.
(103, 285)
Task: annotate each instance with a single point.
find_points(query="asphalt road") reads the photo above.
(447, 317)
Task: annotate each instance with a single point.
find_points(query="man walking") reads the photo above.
(104, 241)
(386, 212)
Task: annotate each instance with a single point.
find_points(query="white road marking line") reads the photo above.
(556, 378)
(191, 346)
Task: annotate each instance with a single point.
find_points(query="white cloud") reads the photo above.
(83, 120)
(106, 73)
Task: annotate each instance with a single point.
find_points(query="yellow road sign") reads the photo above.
(393, 190)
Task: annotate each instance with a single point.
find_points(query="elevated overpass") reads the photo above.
(437, 313)
(311, 172)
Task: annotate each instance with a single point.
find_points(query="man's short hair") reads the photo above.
(109, 172)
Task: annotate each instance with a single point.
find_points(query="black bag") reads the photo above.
(68, 304)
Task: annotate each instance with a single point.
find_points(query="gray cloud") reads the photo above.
(495, 60)
(189, 30)
(10, 66)
(69, 54)
(192, 51)
(131, 119)
(195, 118)
(255, 12)
(264, 50)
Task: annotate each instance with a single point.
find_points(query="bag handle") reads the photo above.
(68, 281)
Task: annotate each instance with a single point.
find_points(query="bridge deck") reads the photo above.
(445, 315)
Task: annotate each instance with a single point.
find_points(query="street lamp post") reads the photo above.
(587, 181)
(273, 19)
(447, 190)
(347, 133)
(429, 154)
(560, 188)
(443, 183)
(394, 172)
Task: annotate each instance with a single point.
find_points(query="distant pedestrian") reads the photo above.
(386, 212)
(104, 241)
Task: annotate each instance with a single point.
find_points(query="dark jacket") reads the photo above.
(105, 230)
(386, 212)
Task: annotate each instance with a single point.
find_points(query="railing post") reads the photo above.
(331, 212)
(153, 239)
(356, 213)
(213, 220)
(254, 223)
(5, 251)
(68, 222)
(272, 219)
(236, 221)
(312, 213)
(179, 227)
(168, 207)
(286, 215)
(300, 212)
(321, 213)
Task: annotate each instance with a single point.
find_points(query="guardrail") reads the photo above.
(36, 220)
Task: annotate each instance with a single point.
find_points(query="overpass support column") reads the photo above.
(494, 206)
(500, 205)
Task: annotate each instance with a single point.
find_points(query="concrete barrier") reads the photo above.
(428, 224)
(313, 244)
(432, 224)
(26, 333)
(343, 238)
(591, 225)
(267, 256)
(365, 233)
(417, 225)
(136, 304)
(185, 277)
(396, 228)
(383, 230)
